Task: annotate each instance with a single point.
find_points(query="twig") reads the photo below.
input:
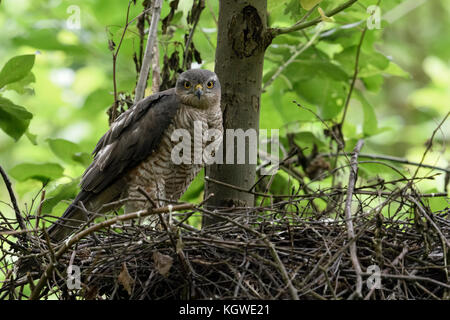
(156, 71)
(387, 158)
(201, 6)
(355, 75)
(114, 56)
(39, 209)
(13, 199)
(430, 143)
(212, 13)
(152, 33)
(298, 51)
(333, 134)
(319, 194)
(424, 213)
(18, 232)
(282, 269)
(115, 51)
(411, 278)
(348, 215)
(397, 259)
(274, 32)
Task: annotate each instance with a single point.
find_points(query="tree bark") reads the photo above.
(241, 43)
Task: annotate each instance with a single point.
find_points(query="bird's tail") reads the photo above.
(72, 218)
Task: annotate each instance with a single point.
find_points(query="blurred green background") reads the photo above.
(403, 95)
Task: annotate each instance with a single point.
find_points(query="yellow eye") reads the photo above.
(210, 84)
(187, 84)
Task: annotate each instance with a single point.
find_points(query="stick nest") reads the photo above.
(275, 252)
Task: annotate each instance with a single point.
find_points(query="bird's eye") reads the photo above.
(210, 84)
(187, 84)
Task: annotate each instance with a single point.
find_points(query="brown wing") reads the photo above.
(130, 140)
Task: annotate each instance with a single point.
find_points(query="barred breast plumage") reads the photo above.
(163, 179)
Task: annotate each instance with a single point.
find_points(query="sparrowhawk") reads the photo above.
(136, 150)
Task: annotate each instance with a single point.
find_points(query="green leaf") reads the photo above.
(306, 137)
(327, 95)
(306, 69)
(83, 158)
(377, 59)
(97, 101)
(14, 119)
(370, 125)
(370, 64)
(64, 149)
(62, 192)
(281, 184)
(41, 172)
(195, 189)
(395, 70)
(22, 86)
(373, 83)
(293, 8)
(16, 69)
(309, 4)
(287, 39)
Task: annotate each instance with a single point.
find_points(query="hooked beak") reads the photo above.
(198, 91)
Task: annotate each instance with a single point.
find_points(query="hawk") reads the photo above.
(136, 151)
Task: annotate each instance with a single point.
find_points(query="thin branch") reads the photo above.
(156, 70)
(13, 199)
(387, 158)
(355, 75)
(411, 278)
(212, 12)
(115, 51)
(114, 56)
(298, 51)
(424, 213)
(152, 33)
(201, 6)
(348, 215)
(330, 130)
(282, 269)
(397, 259)
(317, 194)
(274, 32)
(430, 143)
(39, 209)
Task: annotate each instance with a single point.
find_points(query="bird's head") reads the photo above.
(198, 88)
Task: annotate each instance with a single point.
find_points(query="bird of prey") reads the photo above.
(136, 151)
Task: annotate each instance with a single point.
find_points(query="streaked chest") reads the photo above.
(180, 150)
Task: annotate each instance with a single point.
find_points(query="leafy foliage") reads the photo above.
(16, 69)
(14, 119)
(15, 75)
(42, 172)
(58, 99)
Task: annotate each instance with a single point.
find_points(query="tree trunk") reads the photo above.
(241, 43)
